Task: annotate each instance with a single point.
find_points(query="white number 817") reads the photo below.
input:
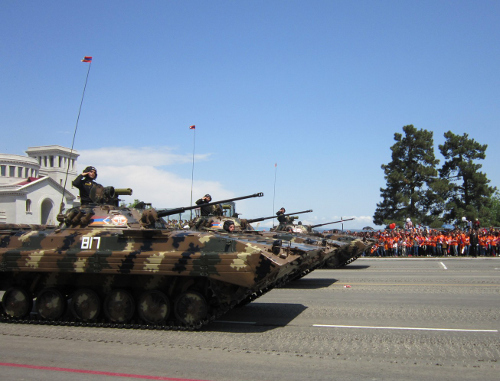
(87, 242)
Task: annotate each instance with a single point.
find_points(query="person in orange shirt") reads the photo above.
(447, 241)
(386, 245)
(416, 244)
(466, 241)
(454, 244)
(489, 242)
(482, 244)
(409, 244)
(432, 243)
(462, 244)
(497, 244)
(439, 244)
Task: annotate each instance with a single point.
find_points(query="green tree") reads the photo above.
(495, 209)
(131, 204)
(411, 178)
(468, 193)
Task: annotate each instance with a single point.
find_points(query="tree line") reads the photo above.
(417, 188)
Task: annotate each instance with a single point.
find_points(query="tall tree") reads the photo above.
(495, 209)
(469, 194)
(410, 176)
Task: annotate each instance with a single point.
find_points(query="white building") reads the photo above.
(32, 187)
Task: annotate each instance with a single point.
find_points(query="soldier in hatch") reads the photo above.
(84, 183)
(281, 218)
(229, 226)
(205, 210)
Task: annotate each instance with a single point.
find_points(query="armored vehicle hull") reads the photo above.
(350, 247)
(353, 247)
(120, 267)
(316, 251)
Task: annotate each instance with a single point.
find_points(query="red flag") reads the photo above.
(192, 127)
(87, 59)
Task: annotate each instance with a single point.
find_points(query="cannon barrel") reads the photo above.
(268, 218)
(333, 222)
(169, 212)
(123, 191)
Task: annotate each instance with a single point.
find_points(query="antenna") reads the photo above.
(193, 127)
(89, 60)
(274, 193)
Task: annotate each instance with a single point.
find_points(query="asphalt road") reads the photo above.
(376, 319)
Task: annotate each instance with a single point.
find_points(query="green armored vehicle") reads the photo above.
(107, 265)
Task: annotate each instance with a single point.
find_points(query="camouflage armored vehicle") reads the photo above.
(350, 247)
(341, 249)
(107, 265)
(354, 248)
(316, 251)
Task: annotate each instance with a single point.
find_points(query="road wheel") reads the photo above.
(50, 304)
(153, 307)
(17, 302)
(191, 308)
(85, 304)
(119, 306)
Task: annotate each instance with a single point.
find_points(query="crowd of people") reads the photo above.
(426, 242)
(177, 224)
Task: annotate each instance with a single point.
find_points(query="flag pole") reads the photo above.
(89, 60)
(193, 127)
(274, 193)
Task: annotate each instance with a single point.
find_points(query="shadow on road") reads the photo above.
(354, 267)
(257, 317)
(310, 283)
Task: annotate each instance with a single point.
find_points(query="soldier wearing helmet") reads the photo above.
(84, 183)
(229, 226)
(281, 218)
(205, 210)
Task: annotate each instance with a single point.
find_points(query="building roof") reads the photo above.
(24, 186)
(52, 149)
(17, 159)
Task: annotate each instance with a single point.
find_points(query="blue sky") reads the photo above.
(318, 87)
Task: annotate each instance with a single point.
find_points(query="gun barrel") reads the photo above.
(123, 191)
(285, 215)
(333, 222)
(169, 212)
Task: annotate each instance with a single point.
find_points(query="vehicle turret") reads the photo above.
(329, 223)
(105, 210)
(270, 217)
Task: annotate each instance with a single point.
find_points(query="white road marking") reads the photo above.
(405, 328)
(442, 264)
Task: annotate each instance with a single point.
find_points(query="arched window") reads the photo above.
(28, 205)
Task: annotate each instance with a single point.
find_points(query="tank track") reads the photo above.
(352, 259)
(137, 324)
(101, 323)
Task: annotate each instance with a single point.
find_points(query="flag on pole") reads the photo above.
(87, 59)
(192, 127)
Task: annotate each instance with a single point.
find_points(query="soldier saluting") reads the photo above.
(205, 210)
(84, 183)
(281, 218)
